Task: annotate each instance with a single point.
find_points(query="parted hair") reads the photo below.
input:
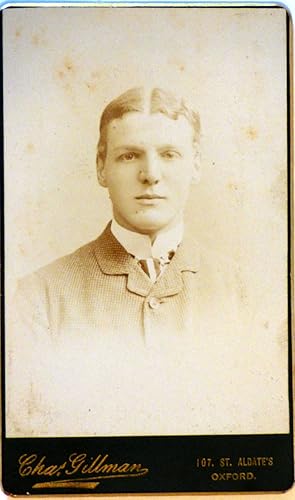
(138, 100)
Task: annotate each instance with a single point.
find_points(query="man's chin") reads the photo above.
(151, 226)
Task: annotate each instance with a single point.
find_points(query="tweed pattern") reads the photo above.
(101, 290)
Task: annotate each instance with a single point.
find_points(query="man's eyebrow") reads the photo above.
(133, 147)
(128, 147)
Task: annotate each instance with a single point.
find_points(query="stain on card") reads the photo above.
(18, 32)
(251, 133)
(30, 148)
(38, 38)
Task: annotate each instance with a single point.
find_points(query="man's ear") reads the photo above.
(101, 173)
(197, 167)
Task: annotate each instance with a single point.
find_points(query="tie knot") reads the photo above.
(153, 267)
(165, 259)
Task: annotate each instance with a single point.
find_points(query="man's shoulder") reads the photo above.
(81, 256)
(69, 263)
(77, 266)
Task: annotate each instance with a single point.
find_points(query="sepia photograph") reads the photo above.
(146, 173)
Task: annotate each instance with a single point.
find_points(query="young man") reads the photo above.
(138, 278)
(141, 330)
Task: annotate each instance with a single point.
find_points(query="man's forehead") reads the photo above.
(149, 127)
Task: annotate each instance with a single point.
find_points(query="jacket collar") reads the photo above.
(110, 255)
(113, 259)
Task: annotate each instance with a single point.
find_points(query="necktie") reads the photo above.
(154, 267)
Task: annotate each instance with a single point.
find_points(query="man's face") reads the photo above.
(148, 170)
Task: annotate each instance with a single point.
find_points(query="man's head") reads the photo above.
(147, 157)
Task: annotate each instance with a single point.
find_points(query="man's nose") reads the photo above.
(150, 170)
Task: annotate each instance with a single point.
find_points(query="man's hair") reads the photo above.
(137, 100)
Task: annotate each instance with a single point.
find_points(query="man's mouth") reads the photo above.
(147, 196)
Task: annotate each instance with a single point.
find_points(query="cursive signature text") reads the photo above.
(77, 463)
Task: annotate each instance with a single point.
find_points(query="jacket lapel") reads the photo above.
(113, 259)
(186, 259)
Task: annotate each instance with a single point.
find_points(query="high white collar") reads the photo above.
(141, 246)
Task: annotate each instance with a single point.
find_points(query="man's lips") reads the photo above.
(150, 197)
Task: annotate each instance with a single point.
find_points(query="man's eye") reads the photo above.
(170, 154)
(128, 156)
